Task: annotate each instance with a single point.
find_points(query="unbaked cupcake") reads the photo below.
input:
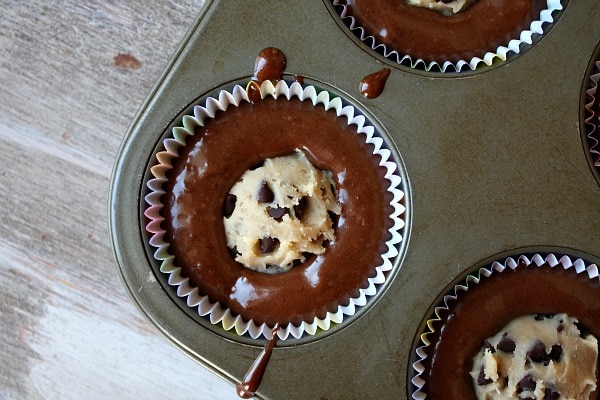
(421, 34)
(230, 157)
(475, 317)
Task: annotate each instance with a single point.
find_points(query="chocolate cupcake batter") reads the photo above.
(429, 35)
(268, 66)
(372, 85)
(239, 139)
(488, 306)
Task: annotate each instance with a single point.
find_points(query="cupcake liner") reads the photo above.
(515, 45)
(554, 261)
(592, 118)
(217, 313)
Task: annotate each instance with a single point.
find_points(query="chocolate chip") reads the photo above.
(267, 244)
(265, 194)
(526, 384)
(333, 190)
(277, 212)
(506, 344)
(481, 379)
(334, 218)
(541, 317)
(300, 207)
(257, 166)
(537, 353)
(308, 258)
(229, 205)
(583, 331)
(234, 252)
(555, 352)
(550, 394)
(489, 346)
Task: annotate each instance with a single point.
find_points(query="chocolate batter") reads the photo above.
(372, 85)
(268, 66)
(249, 385)
(432, 36)
(239, 139)
(491, 304)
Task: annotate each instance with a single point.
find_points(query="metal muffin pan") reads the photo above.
(494, 163)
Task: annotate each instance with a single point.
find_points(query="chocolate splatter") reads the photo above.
(269, 66)
(248, 387)
(373, 84)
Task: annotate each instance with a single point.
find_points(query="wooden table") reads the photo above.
(72, 74)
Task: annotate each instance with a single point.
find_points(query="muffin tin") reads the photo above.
(494, 162)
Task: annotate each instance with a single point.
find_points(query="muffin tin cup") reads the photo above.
(502, 53)
(565, 262)
(217, 313)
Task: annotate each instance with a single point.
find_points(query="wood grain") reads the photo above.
(72, 75)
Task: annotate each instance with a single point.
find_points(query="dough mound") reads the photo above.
(540, 357)
(279, 213)
(446, 7)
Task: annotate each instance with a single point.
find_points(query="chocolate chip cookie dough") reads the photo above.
(446, 7)
(540, 357)
(484, 303)
(278, 213)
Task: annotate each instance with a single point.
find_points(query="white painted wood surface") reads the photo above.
(72, 75)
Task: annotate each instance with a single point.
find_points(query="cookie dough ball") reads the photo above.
(447, 7)
(279, 213)
(540, 357)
